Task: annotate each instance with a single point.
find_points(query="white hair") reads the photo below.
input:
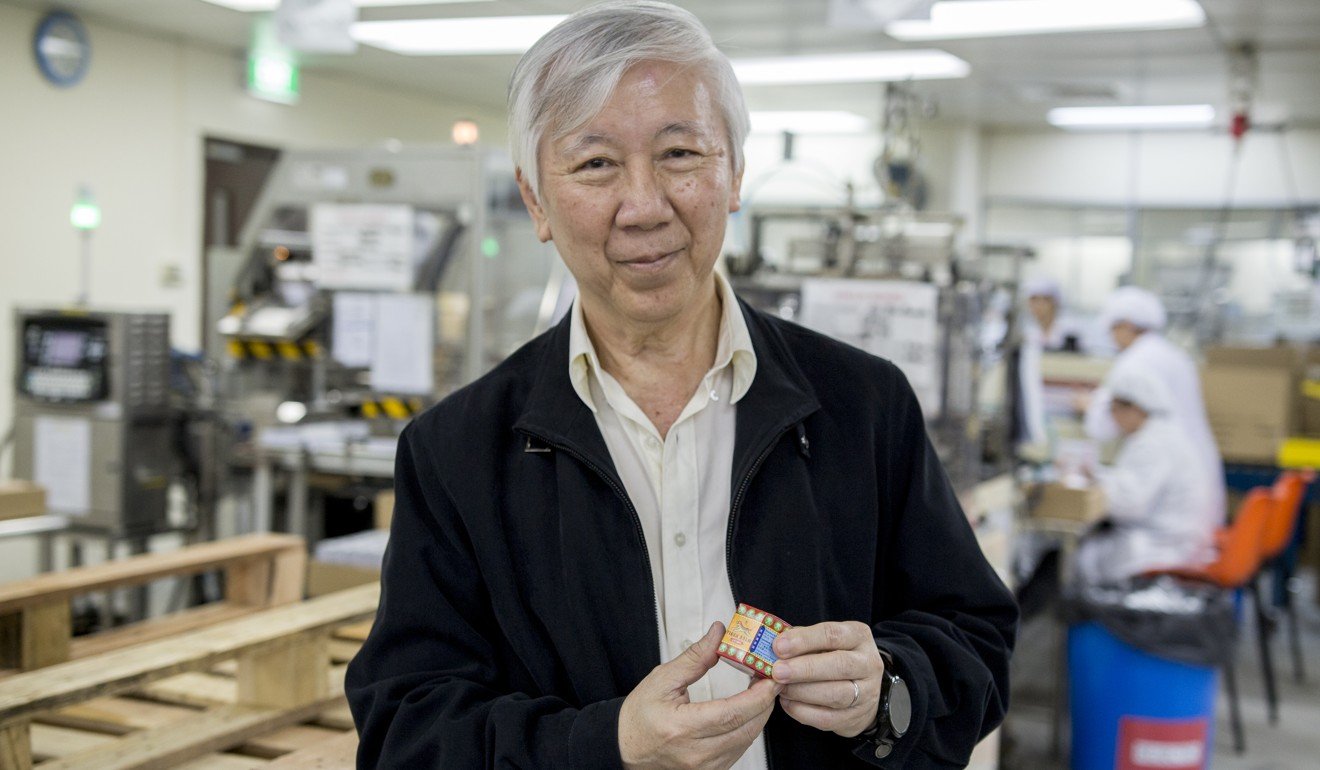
(564, 80)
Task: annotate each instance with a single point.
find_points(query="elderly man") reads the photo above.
(571, 529)
(1135, 319)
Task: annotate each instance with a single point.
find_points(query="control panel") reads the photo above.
(64, 359)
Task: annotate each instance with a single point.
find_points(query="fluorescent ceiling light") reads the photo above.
(879, 66)
(997, 18)
(808, 122)
(450, 37)
(1173, 116)
(270, 5)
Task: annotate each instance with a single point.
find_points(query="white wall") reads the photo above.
(133, 132)
(1152, 169)
(950, 159)
(823, 163)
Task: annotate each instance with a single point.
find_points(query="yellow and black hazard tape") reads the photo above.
(262, 350)
(391, 407)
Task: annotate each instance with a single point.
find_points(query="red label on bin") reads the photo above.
(1161, 744)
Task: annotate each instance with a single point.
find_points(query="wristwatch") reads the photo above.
(895, 714)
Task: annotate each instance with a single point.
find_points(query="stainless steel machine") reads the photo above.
(926, 319)
(368, 284)
(93, 418)
(339, 237)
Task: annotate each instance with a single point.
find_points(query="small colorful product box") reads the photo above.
(748, 643)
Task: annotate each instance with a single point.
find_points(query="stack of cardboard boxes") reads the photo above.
(1258, 397)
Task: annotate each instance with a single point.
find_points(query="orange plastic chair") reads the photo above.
(1289, 490)
(1240, 545)
(1236, 567)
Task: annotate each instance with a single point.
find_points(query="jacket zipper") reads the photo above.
(737, 504)
(641, 534)
(728, 538)
(637, 521)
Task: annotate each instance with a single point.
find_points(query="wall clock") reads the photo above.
(62, 48)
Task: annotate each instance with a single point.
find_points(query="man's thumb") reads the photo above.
(692, 663)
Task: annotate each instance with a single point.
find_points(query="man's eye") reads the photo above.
(679, 152)
(594, 164)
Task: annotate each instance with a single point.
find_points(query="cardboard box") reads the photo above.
(1309, 395)
(323, 578)
(1252, 398)
(20, 498)
(1055, 501)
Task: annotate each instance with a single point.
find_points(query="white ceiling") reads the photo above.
(1014, 80)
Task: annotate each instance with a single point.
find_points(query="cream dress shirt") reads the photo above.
(680, 486)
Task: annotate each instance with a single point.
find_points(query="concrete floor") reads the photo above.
(1294, 744)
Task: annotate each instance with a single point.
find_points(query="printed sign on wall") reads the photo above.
(897, 320)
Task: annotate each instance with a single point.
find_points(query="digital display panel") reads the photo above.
(62, 348)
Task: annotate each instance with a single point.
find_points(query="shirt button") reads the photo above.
(680, 539)
(653, 442)
(687, 643)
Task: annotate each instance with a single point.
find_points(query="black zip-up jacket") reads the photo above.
(518, 610)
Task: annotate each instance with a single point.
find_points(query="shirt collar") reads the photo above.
(734, 348)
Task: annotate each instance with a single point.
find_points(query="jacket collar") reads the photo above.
(779, 397)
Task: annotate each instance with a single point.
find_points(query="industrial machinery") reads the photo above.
(886, 280)
(93, 417)
(368, 284)
(377, 276)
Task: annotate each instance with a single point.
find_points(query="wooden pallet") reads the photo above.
(338, 753)
(35, 620)
(234, 695)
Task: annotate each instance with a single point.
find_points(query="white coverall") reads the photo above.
(1035, 342)
(1158, 505)
(1065, 325)
(1152, 354)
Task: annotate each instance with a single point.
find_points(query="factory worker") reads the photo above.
(1159, 503)
(1046, 329)
(1136, 318)
(572, 530)
(1050, 328)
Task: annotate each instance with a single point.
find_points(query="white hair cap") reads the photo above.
(1141, 389)
(1043, 286)
(1136, 306)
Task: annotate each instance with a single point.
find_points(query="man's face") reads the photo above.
(637, 199)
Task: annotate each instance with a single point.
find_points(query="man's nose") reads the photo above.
(645, 199)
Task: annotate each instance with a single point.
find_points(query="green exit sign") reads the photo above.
(272, 77)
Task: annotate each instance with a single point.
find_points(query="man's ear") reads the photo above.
(534, 208)
(735, 192)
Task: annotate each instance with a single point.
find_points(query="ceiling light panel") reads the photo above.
(456, 37)
(808, 122)
(874, 67)
(1166, 116)
(954, 19)
(270, 5)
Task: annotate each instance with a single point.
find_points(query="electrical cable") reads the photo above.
(1210, 262)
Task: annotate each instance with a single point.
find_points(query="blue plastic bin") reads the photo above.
(1135, 711)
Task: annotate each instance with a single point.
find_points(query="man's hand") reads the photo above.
(660, 728)
(818, 666)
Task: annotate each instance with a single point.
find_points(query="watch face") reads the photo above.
(900, 707)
